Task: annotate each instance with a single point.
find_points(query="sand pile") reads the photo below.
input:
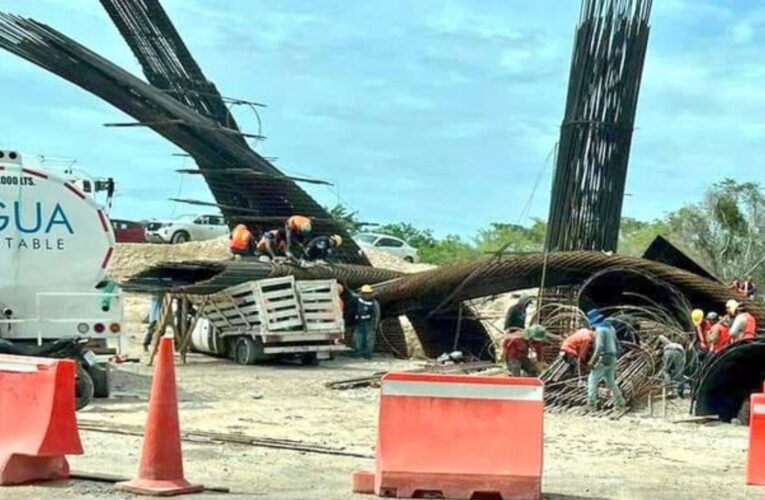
(388, 261)
(132, 258)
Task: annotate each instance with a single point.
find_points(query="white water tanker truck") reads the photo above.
(55, 298)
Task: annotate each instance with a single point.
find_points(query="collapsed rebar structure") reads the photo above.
(596, 133)
(182, 106)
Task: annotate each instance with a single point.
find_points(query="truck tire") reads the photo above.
(245, 351)
(83, 388)
(409, 259)
(309, 359)
(180, 237)
(100, 376)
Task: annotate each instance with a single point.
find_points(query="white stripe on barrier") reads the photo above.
(759, 409)
(462, 391)
(9, 366)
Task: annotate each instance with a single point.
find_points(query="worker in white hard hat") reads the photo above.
(323, 247)
(743, 324)
(366, 321)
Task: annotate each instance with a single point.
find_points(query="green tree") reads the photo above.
(347, 218)
(636, 235)
(725, 230)
(418, 238)
(513, 238)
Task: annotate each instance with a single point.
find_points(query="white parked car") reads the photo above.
(388, 244)
(186, 228)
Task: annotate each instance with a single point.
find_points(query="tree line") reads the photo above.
(723, 231)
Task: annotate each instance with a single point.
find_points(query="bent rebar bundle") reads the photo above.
(195, 119)
(596, 134)
(418, 294)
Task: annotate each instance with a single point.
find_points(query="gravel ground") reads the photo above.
(635, 457)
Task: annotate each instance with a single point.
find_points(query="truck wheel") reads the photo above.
(309, 359)
(409, 259)
(100, 376)
(83, 388)
(743, 412)
(180, 237)
(244, 351)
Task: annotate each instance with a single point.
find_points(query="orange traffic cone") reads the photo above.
(161, 469)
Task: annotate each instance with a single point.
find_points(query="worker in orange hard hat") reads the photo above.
(297, 229)
(241, 241)
(743, 325)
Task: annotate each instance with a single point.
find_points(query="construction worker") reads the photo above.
(516, 314)
(575, 349)
(673, 364)
(367, 319)
(743, 325)
(748, 288)
(323, 247)
(516, 346)
(297, 228)
(602, 364)
(718, 337)
(241, 241)
(155, 307)
(270, 243)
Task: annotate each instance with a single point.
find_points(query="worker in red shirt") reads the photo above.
(516, 346)
(718, 338)
(576, 348)
(743, 325)
(702, 326)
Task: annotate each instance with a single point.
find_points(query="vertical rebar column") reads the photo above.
(591, 168)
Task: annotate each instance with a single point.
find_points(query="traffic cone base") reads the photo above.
(158, 488)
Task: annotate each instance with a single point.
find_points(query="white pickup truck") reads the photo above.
(55, 245)
(186, 228)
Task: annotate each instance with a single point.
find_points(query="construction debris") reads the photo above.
(374, 379)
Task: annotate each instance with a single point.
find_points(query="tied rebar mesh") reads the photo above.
(596, 133)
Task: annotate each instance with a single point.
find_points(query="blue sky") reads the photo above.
(439, 113)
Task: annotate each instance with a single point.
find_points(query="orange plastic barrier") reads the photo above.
(161, 469)
(458, 436)
(38, 426)
(755, 458)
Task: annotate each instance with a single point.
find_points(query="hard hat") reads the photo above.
(712, 316)
(306, 227)
(535, 332)
(731, 306)
(337, 239)
(697, 316)
(367, 289)
(596, 318)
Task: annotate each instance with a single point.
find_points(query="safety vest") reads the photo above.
(297, 222)
(365, 310)
(240, 239)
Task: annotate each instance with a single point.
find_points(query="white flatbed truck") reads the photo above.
(271, 318)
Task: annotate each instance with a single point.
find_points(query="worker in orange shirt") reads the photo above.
(241, 242)
(718, 338)
(743, 325)
(576, 348)
(516, 346)
(297, 229)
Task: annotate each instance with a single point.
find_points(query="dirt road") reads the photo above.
(636, 457)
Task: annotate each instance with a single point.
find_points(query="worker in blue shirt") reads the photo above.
(603, 361)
